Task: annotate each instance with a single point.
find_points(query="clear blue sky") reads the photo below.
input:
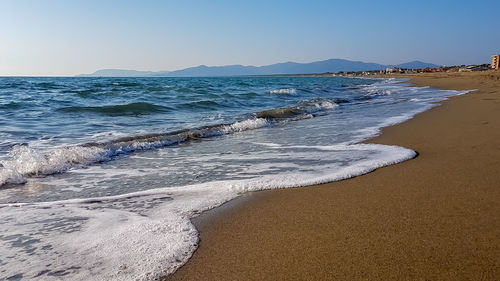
(67, 37)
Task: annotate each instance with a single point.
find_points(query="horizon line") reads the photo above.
(248, 65)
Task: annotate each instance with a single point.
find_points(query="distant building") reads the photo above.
(432, 69)
(393, 70)
(495, 61)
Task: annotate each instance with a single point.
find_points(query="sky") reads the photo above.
(69, 37)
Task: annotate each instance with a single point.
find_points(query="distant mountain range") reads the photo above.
(331, 65)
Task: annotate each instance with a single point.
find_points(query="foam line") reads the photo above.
(135, 243)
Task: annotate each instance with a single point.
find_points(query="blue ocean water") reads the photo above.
(99, 177)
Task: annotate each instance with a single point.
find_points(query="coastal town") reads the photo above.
(495, 65)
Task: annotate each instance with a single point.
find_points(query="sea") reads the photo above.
(100, 177)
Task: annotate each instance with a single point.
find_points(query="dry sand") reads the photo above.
(435, 217)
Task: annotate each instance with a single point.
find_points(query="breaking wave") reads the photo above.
(26, 162)
(283, 91)
(304, 108)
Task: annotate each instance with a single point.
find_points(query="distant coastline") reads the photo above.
(287, 68)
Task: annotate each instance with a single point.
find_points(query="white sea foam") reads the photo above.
(315, 105)
(249, 124)
(128, 237)
(269, 144)
(283, 91)
(326, 104)
(25, 161)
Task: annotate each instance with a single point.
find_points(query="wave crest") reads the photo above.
(27, 162)
(307, 107)
(283, 91)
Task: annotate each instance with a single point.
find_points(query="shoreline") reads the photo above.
(433, 217)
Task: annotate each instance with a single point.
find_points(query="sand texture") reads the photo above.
(435, 217)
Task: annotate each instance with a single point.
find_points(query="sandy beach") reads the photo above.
(435, 217)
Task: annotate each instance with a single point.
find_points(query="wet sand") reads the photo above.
(435, 217)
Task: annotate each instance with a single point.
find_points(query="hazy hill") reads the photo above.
(121, 73)
(331, 65)
(416, 65)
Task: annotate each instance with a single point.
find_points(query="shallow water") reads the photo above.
(100, 176)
